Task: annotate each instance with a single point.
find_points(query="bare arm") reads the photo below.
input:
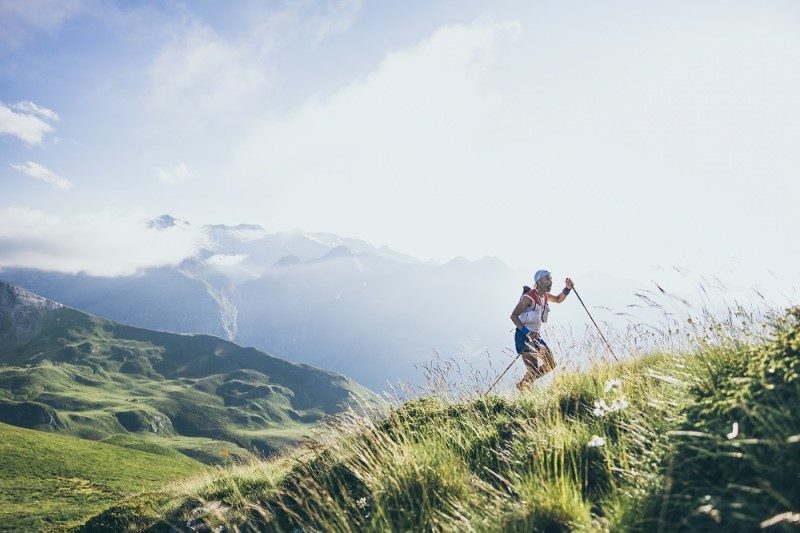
(560, 297)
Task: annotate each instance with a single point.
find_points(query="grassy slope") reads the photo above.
(670, 458)
(50, 481)
(94, 378)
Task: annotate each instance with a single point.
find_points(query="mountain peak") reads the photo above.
(163, 222)
(339, 251)
(457, 262)
(492, 261)
(287, 261)
(22, 313)
(15, 298)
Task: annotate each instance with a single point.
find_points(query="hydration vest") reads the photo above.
(536, 314)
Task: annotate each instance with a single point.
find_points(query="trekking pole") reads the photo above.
(501, 375)
(528, 345)
(595, 325)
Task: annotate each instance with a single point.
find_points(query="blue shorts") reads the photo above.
(520, 340)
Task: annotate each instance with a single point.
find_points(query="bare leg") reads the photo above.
(548, 362)
(533, 372)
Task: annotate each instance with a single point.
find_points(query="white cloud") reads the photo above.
(435, 150)
(415, 100)
(224, 260)
(174, 175)
(310, 22)
(335, 17)
(418, 122)
(29, 107)
(102, 244)
(40, 172)
(26, 125)
(199, 76)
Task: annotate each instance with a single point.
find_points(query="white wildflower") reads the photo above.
(361, 502)
(613, 385)
(734, 431)
(601, 408)
(596, 441)
(619, 405)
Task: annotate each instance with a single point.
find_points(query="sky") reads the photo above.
(610, 136)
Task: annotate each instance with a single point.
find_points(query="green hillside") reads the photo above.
(701, 441)
(67, 371)
(50, 481)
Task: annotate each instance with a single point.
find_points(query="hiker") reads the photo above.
(529, 315)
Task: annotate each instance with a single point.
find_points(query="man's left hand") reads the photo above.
(568, 284)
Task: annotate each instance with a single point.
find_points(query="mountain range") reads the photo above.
(369, 312)
(65, 370)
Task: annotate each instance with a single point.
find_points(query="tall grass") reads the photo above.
(697, 438)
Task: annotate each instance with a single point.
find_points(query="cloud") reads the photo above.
(29, 124)
(35, 109)
(333, 18)
(225, 260)
(418, 122)
(310, 22)
(102, 244)
(200, 75)
(431, 92)
(174, 175)
(19, 19)
(203, 76)
(40, 172)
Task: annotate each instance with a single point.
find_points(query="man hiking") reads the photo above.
(529, 315)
